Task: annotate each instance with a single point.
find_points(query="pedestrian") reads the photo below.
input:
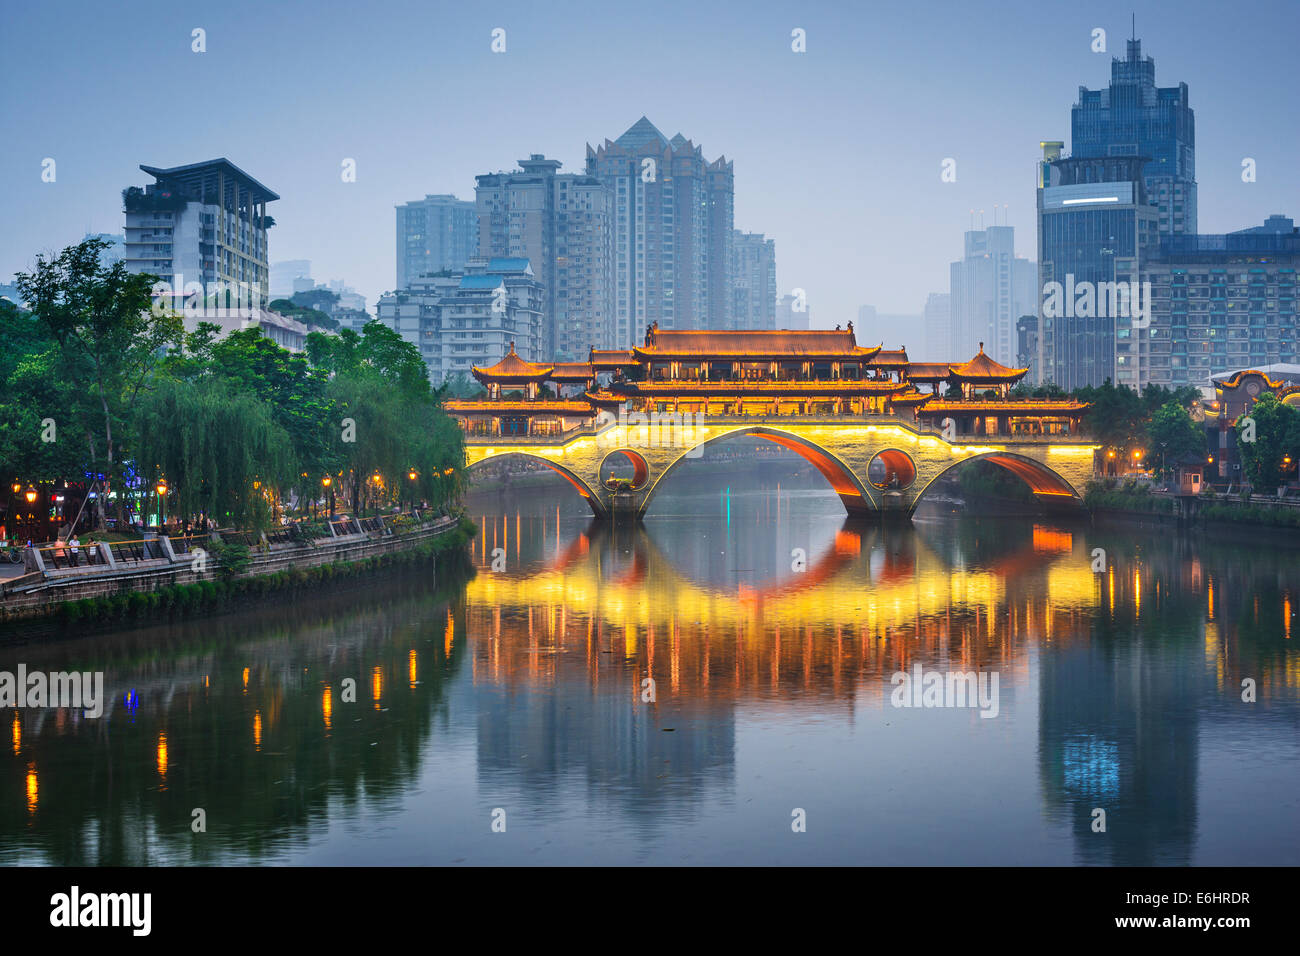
(75, 544)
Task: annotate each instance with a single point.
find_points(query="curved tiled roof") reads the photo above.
(984, 369)
(572, 372)
(512, 369)
(755, 345)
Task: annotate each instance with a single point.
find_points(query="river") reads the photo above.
(721, 684)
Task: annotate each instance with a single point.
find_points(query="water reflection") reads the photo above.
(668, 692)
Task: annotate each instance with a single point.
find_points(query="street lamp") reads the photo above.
(161, 489)
(31, 495)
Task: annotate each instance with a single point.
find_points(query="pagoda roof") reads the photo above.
(539, 407)
(928, 371)
(572, 372)
(512, 368)
(602, 397)
(753, 344)
(1014, 406)
(890, 357)
(767, 389)
(911, 398)
(607, 359)
(984, 369)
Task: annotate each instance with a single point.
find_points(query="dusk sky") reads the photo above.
(837, 151)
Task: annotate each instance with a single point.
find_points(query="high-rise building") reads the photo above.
(753, 272)
(284, 273)
(562, 223)
(1027, 342)
(938, 325)
(1095, 231)
(673, 225)
(990, 287)
(1134, 117)
(792, 313)
(469, 318)
(435, 233)
(201, 226)
(1223, 302)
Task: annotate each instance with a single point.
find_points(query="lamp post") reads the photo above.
(161, 489)
(31, 495)
(326, 484)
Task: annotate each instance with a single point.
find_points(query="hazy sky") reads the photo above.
(837, 150)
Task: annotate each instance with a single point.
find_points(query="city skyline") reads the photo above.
(888, 241)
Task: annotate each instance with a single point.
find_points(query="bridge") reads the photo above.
(856, 414)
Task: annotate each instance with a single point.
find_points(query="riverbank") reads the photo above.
(53, 604)
(1219, 514)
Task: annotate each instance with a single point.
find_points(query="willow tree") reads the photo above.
(103, 320)
(221, 451)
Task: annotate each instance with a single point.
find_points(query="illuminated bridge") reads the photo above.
(880, 428)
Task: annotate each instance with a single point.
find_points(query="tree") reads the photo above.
(221, 452)
(1173, 433)
(102, 319)
(1276, 434)
(1116, 416)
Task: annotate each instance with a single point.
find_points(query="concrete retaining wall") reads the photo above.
(36, 594)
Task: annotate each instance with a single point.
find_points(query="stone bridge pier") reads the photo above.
(877, 468)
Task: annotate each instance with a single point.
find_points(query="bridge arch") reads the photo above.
(842, 480)
(580, 486)
(1043, 481)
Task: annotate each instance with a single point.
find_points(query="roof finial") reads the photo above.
(512, 346)
(981, 348)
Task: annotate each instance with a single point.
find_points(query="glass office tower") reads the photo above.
(1134, 117)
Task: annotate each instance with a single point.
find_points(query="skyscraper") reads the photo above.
(753, 273)
(1134, 117)
(673, 218)
(562, 223)
(433, 234)
(990, 288)
(203, 224)
(938, 325)
(1095, 230)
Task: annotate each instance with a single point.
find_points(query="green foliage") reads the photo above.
(211, 413)
(1277, 435)
(1126, 497)
(305, 315)
(1116, 417)
(1174, 435)
(212, 444)
(108, 337)
(231, 559)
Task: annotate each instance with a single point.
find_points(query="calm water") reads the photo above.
(521, 690)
